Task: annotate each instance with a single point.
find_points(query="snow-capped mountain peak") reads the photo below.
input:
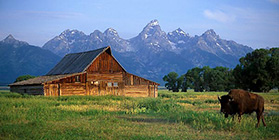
(154, 53)
(97, 36)
(210, 36)
(178, 32)
(152, 30)
(154, 22)
(178, 37)
(110, 32)
(210, 32)
(152, 44)
(71, 35)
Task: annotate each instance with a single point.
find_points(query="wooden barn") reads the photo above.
(94, 72)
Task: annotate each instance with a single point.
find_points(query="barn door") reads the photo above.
(53, 90)
(94, 90)
(151, 91)
(102, 88)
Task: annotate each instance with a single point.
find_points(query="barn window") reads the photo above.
(115, 84)
(96, 83)
(109, 84)
(25, 91)
(77, 79)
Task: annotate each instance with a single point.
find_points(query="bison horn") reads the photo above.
(219, 99)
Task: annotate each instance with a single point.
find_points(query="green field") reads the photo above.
(170, 116)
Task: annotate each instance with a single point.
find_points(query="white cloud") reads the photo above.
(250, 16)
(219, 16)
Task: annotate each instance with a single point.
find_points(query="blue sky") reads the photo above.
(250, 22)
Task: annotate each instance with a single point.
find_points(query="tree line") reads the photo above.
(258, 71)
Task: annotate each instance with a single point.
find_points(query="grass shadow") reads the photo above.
(145, 119)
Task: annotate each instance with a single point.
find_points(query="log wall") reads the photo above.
(28, 89)
(71, 85)
(136, 91)
(105, 84)
(136, 86)
(77, 78)
(98, 84)
(72, 89)
(105, 77)
(130, 79)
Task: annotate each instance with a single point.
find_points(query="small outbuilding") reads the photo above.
(95, 72)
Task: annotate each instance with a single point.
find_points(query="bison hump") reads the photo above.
(239, 94)
(252, 96)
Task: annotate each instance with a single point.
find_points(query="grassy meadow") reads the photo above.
(170, 116)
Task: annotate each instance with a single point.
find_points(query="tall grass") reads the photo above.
(118, 117)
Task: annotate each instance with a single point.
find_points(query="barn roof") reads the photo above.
(77, 62)
(39, 80)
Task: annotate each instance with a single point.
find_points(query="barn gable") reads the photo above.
(105, 63)
(78, 62)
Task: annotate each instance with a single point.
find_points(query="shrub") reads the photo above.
(24, 77)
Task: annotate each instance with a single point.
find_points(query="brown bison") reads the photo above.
(242, 102)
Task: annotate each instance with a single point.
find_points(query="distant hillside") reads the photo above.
(19, 58)
(154, 53)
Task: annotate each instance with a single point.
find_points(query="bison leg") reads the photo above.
(263, 120)
(258, 118)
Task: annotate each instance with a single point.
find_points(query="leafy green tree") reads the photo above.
(258, 70)
(210, 79)
(185, 83)
(230, 84)
(240, 77)
(195, 78)
(273, 67)
(180, 82)
(173, 82)
(207, 77)
(24, 77)
(220, 79)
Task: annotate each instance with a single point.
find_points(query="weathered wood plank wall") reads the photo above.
(71, 85)
(32, 89)
(136, 90)
(105, 63)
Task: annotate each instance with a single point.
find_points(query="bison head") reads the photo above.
(226, 105)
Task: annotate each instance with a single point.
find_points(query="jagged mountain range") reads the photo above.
(19, 58)
(151, 54)
(154, 53)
